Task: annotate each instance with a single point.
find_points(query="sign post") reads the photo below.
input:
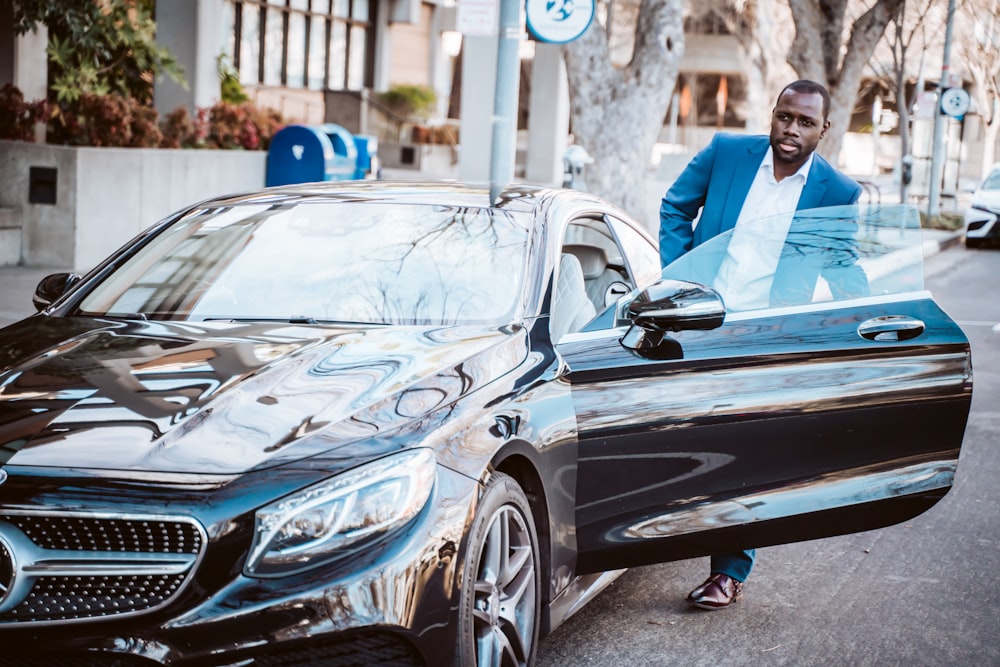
(505, 98)
(937, 156)
(558, 21)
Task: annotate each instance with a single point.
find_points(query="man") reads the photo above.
(738, 179)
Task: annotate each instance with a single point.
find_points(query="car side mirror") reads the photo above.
(52, 287)
(671, 305)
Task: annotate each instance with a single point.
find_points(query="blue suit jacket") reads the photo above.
(717, 181)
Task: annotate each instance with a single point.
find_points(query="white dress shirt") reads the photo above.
(747, 271)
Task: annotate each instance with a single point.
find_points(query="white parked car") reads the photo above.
(981, 226)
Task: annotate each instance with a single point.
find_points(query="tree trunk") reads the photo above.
(903, 109)
(839, 67)
(617, 113)
(991, 131)
(764, 54)
(979, 25)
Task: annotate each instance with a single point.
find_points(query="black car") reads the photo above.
(405, 424)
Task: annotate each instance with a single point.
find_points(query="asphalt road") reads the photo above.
(921, 593)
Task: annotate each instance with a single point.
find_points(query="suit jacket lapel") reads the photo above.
(815, 187)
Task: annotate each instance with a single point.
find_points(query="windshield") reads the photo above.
(325, 262)
(812, 256)
(992, 181)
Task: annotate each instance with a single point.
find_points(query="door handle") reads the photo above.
(891, 328)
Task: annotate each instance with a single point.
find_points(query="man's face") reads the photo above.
(797, 125)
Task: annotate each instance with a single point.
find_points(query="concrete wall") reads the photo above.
(43, 233)
(105, 196)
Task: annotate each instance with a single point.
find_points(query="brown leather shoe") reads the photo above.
(718, 592)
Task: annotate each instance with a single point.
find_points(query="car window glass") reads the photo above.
(339, 262)
(591, 274)
(602, 261)
(812, 256)
(992, 181)
(641, 254)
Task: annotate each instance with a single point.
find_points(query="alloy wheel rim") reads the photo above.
(504, 606)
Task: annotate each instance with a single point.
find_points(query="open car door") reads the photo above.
(724, 408)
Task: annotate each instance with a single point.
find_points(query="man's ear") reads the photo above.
(826, 127)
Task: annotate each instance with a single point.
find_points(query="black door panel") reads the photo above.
(736, 437)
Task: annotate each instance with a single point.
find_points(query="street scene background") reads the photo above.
(921, 593)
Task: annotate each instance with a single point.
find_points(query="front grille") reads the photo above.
(71, 598)
(108, 534)
(92, 566)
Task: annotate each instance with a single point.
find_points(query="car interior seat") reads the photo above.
(597, 272)
(572, 307)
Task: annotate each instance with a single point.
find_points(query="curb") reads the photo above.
(952, 239)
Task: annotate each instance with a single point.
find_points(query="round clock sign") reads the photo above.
(559, 21)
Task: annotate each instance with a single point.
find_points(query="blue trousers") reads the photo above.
(736, 565)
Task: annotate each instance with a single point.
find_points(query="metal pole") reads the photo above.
(505, 98)
(937, 156)
(876, 130)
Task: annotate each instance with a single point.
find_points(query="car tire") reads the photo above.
(971, 244)
(500, 598)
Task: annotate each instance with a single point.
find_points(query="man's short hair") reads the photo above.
(811, 88)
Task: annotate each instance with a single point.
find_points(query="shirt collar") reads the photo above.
(768, 163)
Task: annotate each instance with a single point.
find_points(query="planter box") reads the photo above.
(69, 207)
(426, 160)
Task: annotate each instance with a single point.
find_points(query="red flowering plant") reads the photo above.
(105, 120)
(243, 125)
(19, 117)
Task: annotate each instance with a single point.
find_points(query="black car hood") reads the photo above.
(222, 398)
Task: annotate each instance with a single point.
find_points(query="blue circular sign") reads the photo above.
(559, 21)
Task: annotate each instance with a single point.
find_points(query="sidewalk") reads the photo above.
(17, 285)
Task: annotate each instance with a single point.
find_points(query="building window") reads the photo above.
(314, 44)
(711, 100)
(247, 55)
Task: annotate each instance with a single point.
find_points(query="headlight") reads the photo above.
(337, 516)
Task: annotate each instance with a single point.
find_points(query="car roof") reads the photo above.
(515, 197)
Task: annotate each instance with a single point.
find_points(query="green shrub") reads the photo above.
(945, 221)
(408, 100)
(99, 47)
(230, 88)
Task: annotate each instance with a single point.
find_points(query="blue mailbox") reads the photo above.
(309, 153)
(368, 164)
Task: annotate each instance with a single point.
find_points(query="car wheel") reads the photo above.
(971, 243)
(500, 595)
